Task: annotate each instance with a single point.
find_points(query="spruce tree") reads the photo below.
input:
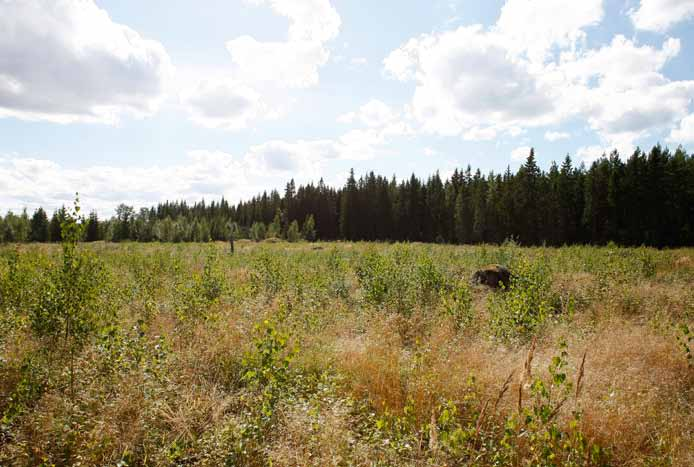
(92, 232)
(39, 226)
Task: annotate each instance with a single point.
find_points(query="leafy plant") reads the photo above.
(526, 305)
(685, 338)
(457, 304)
(65, 313)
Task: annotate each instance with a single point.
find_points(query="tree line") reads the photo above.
(646, 200)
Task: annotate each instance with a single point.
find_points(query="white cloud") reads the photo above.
(31, 182)
(374, 113)
(632, 98)
(297, 157)
(520, 153)
(592, 153)
(358, 61)
(68, 61)
(538, 26)
(225, 104)
(532, 69)
(255, 88)
(295, 62)
(290, 64)
(659, 15)
(34, 182)
(469, 77)
(556, 135)
(309, 20)
(480, 134)
(684, 132)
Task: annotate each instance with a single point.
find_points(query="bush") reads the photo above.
(526, 305)
(293, 232)
(457, 304)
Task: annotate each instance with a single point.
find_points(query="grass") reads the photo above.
(349, 354)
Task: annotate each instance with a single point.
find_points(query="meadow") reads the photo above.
(344, 354)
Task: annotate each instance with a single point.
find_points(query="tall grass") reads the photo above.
(346, 354)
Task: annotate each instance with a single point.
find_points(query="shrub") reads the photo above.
(457, 304)
(308, 230)
(65, 315)
(293, 234)
(258, 231)
(526, 305)
(195, 299)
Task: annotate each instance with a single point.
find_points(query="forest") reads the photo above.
(646, 200)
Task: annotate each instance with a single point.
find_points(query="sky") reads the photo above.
(136, 102)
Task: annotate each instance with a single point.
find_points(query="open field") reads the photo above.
(344, 354)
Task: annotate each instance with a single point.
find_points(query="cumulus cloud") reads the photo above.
(255, 86)
(539, 26)
(631, 98)
(358, 61)
(520, 153)
(295, 62)
(467, 76)
(298, 156)
(481, 134)
(684, 132)
(68, 61)
(32, 182)
(225, 104)
(660, 15)
(374, 113)
(533, 69)
(591, 153)
(556, 135)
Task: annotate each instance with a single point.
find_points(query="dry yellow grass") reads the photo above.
(357, 362)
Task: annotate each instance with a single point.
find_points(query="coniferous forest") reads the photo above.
(647, 199)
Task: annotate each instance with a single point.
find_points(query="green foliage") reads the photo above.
(258, 231)
(337, 272)
(195, 298)
(457, 304)
(374, 272)
(293, 234)
(267, 367)
(170, 374)
(528, 302)
(685, 338)
(124, 351)
(267, 274)
(66, 308)
(31, 384)
(548, 444)
(399, 433)
(274, 230)
(39, 226)
(400, 279)
(429, 279)
(308, 229)
(267, 375)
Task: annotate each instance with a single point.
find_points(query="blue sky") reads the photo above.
(137, 102)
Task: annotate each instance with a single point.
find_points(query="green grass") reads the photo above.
(344, 354)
